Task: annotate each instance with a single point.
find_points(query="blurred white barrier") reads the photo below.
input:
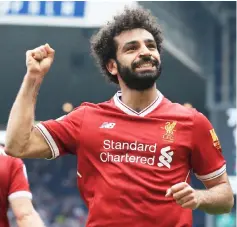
(60, 13)
(2, 137)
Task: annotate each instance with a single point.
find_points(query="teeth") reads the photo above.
(145, 65)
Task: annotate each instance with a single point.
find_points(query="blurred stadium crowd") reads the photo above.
(55, 194)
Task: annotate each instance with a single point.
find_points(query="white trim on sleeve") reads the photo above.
(212, 175)
(19, 194)
(49, 139)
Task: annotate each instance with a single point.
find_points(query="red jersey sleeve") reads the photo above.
(62, 134)
(19, 186)
(206, 158)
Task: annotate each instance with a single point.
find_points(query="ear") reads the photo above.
(112, 67)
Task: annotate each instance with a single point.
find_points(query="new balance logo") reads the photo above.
(166, 157)
(107, 125)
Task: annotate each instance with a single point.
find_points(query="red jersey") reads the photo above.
(127, 160)
(13, 183)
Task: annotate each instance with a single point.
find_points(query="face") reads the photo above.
(138, 60)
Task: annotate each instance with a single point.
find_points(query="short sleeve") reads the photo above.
(206, 158)
(19, 186)
(62, 134)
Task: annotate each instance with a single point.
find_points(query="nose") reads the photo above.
(145, 51)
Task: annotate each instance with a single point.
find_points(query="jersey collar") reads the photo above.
(129, 111)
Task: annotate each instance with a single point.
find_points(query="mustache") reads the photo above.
(144, 60)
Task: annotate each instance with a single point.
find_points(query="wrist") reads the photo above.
(31, 85)
(33, 78)
(200, 198)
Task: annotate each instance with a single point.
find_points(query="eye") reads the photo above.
(131, 48)
(151, 46)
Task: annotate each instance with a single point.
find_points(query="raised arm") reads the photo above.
(22, 140)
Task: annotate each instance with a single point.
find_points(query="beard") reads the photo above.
(140, 81)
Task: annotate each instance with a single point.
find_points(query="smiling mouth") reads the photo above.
(145, 66)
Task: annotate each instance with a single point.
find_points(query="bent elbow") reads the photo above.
(13, 152)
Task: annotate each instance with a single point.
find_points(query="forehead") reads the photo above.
(137, 34)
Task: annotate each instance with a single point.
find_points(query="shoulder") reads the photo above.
(6, 166)
(100, 105)
(180, 111)
(10, 163)
(88, 106)
(8, 160)
(85, 109)
(197, 119)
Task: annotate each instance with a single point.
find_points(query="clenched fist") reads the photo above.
(185, 195)
(39, 60)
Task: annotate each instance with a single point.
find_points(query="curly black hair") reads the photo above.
(103, 46)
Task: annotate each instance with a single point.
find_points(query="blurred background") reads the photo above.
(199, 70)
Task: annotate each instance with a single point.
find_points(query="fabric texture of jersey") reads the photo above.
(127, 160)
(13, 183)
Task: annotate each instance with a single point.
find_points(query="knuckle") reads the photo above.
(193, 196)
(37, 50)
(42, 49)
(175, 196)
(184, 206)
(189, 189)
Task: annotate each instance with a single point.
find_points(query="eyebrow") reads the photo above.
(134, 42)
(150, 41)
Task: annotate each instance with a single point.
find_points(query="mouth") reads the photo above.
(145, 66)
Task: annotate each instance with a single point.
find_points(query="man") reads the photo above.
(135, 151)
(14, 190)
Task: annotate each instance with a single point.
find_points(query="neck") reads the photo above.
(138, 100)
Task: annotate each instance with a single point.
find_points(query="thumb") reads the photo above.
(168, 193)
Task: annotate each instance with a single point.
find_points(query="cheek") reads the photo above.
(157, 56)
(126, 61)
